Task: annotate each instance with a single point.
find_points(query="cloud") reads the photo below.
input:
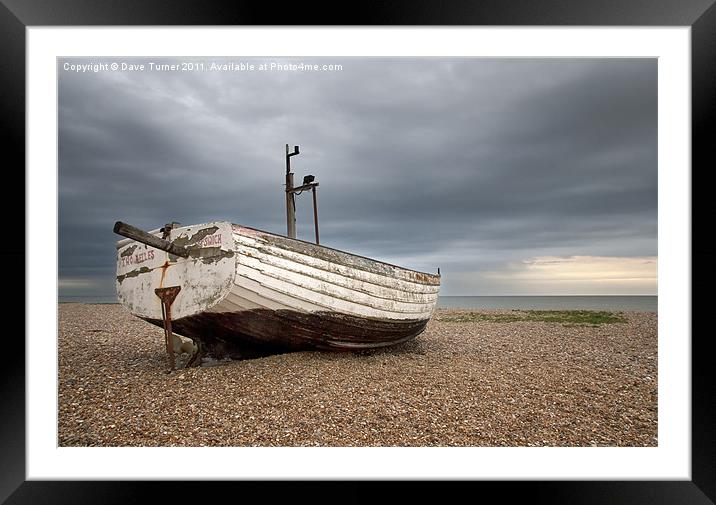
(464, 164)
(615, 271)
(571, 275)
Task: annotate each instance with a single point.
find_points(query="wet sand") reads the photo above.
(476, 383)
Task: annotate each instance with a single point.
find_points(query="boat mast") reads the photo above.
(291, 192)
(290, 199)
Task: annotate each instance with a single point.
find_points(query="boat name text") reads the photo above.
(210, 240)
(137, 258)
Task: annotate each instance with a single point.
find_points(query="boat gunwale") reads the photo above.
(433, 276)
(436, 277)
(335, 296)
(287, 255)
(334, 283)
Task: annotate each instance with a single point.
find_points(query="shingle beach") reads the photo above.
(474, 383)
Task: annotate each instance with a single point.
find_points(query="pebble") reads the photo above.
(457, 384)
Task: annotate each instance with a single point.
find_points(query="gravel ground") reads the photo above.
(456, 384)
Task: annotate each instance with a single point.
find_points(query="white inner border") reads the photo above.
(670, 460)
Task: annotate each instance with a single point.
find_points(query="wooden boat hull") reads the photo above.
(245, 293)
(259, 332)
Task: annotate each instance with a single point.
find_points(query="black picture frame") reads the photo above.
(700, 15)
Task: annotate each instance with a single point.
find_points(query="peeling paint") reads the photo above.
(133, 273)
(128, 251)
(186, 241)
(210, 254)
(205, 277)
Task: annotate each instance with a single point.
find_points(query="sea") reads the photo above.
(612, 303)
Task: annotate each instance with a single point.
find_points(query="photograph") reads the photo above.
(345, 251)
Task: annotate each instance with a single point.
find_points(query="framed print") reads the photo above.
(587, 104)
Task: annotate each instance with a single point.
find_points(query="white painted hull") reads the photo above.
(252, 276)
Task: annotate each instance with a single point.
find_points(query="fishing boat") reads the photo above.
(238, 292)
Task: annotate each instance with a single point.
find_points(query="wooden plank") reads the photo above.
(300, 283)
(261, 250)
(259, 332)
(129, 231)
(395, 291)
(335, 256)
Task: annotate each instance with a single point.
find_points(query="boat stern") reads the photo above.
(204, 278)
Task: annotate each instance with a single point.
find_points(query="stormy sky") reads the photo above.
(515, 177)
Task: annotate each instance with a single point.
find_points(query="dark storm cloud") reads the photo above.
(464, 164)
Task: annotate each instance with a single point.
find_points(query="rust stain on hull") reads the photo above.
(261, 332)
(164, 273)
